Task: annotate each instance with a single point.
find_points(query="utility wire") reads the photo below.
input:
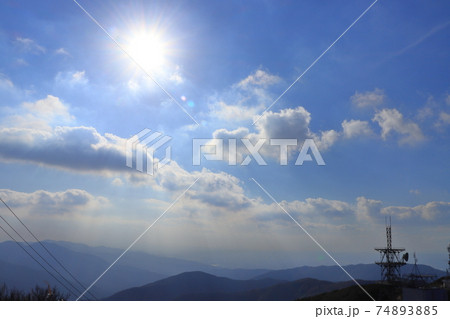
(76, 289)
(48, 251)
(28, 253)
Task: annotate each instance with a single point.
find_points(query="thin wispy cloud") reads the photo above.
(423, 38)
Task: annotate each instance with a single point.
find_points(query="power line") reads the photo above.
(76, 289)
(28, 253)
(43, 246)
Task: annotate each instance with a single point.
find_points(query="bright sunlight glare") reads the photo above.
(148, 50)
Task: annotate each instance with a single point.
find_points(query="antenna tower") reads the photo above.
(390, 260)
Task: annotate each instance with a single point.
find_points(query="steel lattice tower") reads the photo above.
(390, 261)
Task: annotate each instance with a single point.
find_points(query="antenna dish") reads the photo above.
(405, 256)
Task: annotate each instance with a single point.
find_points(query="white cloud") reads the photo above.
(368, 98)
(62, 51)
(50, 203)
(366, 209)
(287, 123)
(39, 115)
(216, 193)
(444, 119)
(29, 45)
(49, 107)
(244, 99)
(241, 132)
(260, 78)
(424, 113)
(117, 182)
(72, 78)
(71, 148)
(355, 128)
(392, 121)
(176, 76)
(316, 207)
(79, 77)
(228, 112)
(251, 98)
(5, 82)
(430, 211)
(326, 139)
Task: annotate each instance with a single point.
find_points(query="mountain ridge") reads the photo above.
(136, 269)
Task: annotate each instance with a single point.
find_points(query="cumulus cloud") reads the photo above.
(238, 133)
(287, 123)
(50, 203)
(320, 212)
(38, 115)
(85, 150)
(326, 139)
(355, 128)
(228, 112)
(366, 208)
(260, 78)
(244, 99)
(49, 107)
(392, 121)
(220, 190)
(368, 98)
(430, 211)
(316, 207)
(71, 148)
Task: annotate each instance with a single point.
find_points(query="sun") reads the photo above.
(148, 50)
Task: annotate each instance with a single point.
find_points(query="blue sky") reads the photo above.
(377, 105)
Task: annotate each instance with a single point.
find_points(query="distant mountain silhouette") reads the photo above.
(136, 268)
(190, 284)
(335, 273)
(165, 266)
(278, 292)
(196, 286)
(21, 272)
